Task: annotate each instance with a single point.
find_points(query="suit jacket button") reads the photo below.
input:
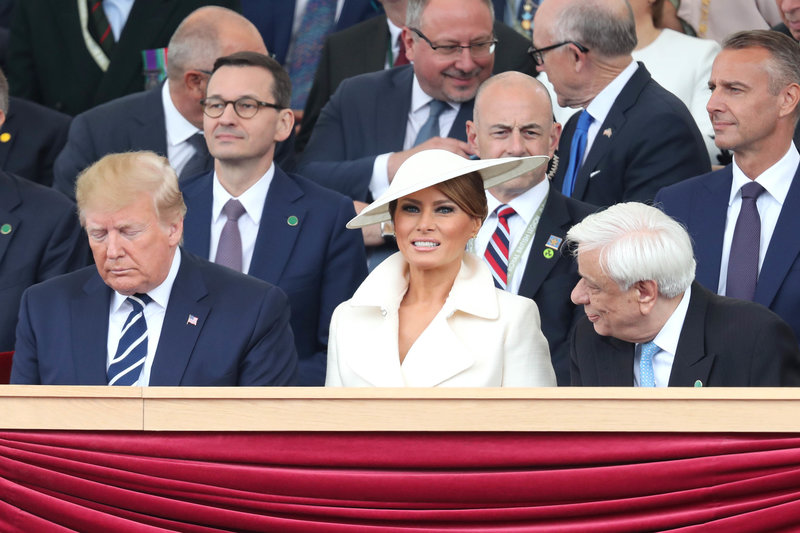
(383, 312)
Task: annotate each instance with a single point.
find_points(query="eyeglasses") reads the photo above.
(538, 58)
(245, 107)
(482, 49)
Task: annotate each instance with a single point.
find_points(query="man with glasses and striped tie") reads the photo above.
(149, 313)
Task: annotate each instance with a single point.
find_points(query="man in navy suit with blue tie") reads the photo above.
(754, 106)
(285, 229)
(147, 312)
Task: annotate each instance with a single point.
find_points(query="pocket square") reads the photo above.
(594, 173)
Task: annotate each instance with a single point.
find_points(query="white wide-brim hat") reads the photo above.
(431, 167)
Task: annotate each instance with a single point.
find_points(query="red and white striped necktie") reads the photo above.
(497, 250)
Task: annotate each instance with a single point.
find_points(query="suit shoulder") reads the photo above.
(45, 200)
(687, 188)
(31, 110)
(224, 277)
(66, 285)
(579, 210)
(372, 81)
(324, 197)
(130, 104)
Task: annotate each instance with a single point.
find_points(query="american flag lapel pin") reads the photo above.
(607, 132)
(192, 320)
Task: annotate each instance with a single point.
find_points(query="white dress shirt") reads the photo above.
(253, 201)
(525, 205)
(417, 116)
(394, 38)
(776, 180)
(179, 130)
(154, 312)
(117, 12)
(667, 342)
(601, 104)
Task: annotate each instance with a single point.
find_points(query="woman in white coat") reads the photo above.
(430, 315)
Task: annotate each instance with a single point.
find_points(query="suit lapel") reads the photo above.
(459, 128)
(10, 134)
(9, 200)
(178, 336)
(437, 355)
(278, 231)
(614, 121)
(394, 112)
(149, 130)
(554, 221)
(197, 223)
(89, 323)
(691, 362)
(614, 363)
(784, 247)
(708, 228)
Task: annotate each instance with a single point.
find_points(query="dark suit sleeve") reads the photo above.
(325, 159)
(775, 358)
(25, 367)
(67, 248)
(574, 368)
(345, 269)
(676, 153)
(79, 152)
(271, 359)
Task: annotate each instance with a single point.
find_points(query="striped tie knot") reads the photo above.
(496, 254)
(128, 361)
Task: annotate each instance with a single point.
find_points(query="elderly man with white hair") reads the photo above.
(648, 324)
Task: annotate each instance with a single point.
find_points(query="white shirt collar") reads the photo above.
(526, 203)
(394, 32)
(776, 180)
(178, 128)
(252, 199)
(160, 294)
(420, 98)
(667, 339)
(601, 104)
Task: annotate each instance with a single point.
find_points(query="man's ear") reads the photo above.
(472, 136)
(646, 295)
(285, 124)
(195, 82)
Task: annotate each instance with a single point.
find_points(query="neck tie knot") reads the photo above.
(504, 212)
(430, 129)
(233, 209)
(139, 300)
(576, 150)
(646, 375)
(752, 190)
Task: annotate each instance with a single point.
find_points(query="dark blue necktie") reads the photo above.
(576, 150)
(128, 362)
(743, 258)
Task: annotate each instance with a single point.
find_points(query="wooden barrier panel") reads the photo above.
(704, 410)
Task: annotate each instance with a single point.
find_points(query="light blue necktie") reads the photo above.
(430, 129)
(128, 362)
(646, 376)
(576, 150)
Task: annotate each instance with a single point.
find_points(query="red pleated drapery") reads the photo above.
(344, 482)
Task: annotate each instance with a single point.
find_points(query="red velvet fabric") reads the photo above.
(342, 482)
(5, 367)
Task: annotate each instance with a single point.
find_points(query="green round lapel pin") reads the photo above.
(5, 229)
(292, 220)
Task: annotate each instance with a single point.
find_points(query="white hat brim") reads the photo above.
(431, 167)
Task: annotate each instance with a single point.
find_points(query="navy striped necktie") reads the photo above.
(128, 362)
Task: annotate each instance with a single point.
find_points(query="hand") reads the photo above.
(371, 233)
(442, 143)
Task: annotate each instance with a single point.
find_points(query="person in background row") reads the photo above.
(513, 118)
(167, 120)
(648, 324)
(612, 150)
(148, 313)
(253, 217)
(71, 56)
(743, 219)
(430, 314)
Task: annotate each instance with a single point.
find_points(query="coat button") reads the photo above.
(383, 312)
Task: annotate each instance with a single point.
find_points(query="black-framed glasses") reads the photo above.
(245, 107)
(538, 58)
(482, 49)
